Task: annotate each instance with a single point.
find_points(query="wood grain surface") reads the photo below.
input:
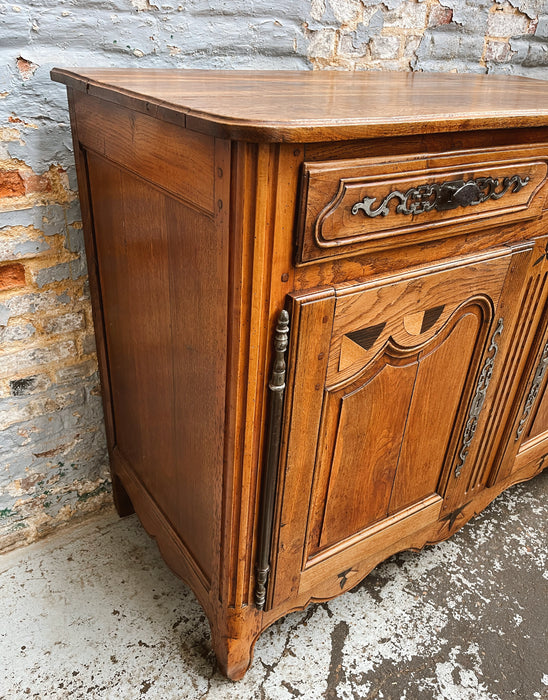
(307, 106)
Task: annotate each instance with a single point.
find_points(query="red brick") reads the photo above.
(12, 276)
(26, 68)
(11, 184)
(36, 183)
(532, 28)
(439, 16)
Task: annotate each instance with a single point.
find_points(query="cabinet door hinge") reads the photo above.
(276, 387)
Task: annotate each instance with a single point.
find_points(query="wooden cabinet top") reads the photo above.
(308, 106)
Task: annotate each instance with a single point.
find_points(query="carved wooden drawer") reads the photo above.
(370, 204)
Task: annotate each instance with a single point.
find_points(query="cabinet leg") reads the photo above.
(234, 653)
(122, 501)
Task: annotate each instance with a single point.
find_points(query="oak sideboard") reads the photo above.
(320, 301)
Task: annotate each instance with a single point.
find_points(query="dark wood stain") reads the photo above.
(430, 317)
(366, 337)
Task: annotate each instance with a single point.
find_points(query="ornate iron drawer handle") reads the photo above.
(533, 392)
(442, 196)
(479, 398)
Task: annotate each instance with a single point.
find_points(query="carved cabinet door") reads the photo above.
(390, 386)
(526, 436)
(531, 431)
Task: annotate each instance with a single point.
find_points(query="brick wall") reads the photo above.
(53, 464)
(454, 35)
(53, 458)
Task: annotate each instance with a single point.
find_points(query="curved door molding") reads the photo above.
(385, 434)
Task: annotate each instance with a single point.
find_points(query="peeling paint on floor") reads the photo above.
(95, 613)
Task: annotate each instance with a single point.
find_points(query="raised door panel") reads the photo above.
(538, 395)
(399, 363)
(385, 435)
(530, 432)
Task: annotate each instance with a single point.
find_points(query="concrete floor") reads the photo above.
(94, 613)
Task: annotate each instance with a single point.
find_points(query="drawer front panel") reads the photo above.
(364, 205)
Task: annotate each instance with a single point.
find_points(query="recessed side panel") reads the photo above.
(177, 160)
(163, 285)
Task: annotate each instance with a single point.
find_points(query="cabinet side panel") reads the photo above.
(163, 282)
(177, 160)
